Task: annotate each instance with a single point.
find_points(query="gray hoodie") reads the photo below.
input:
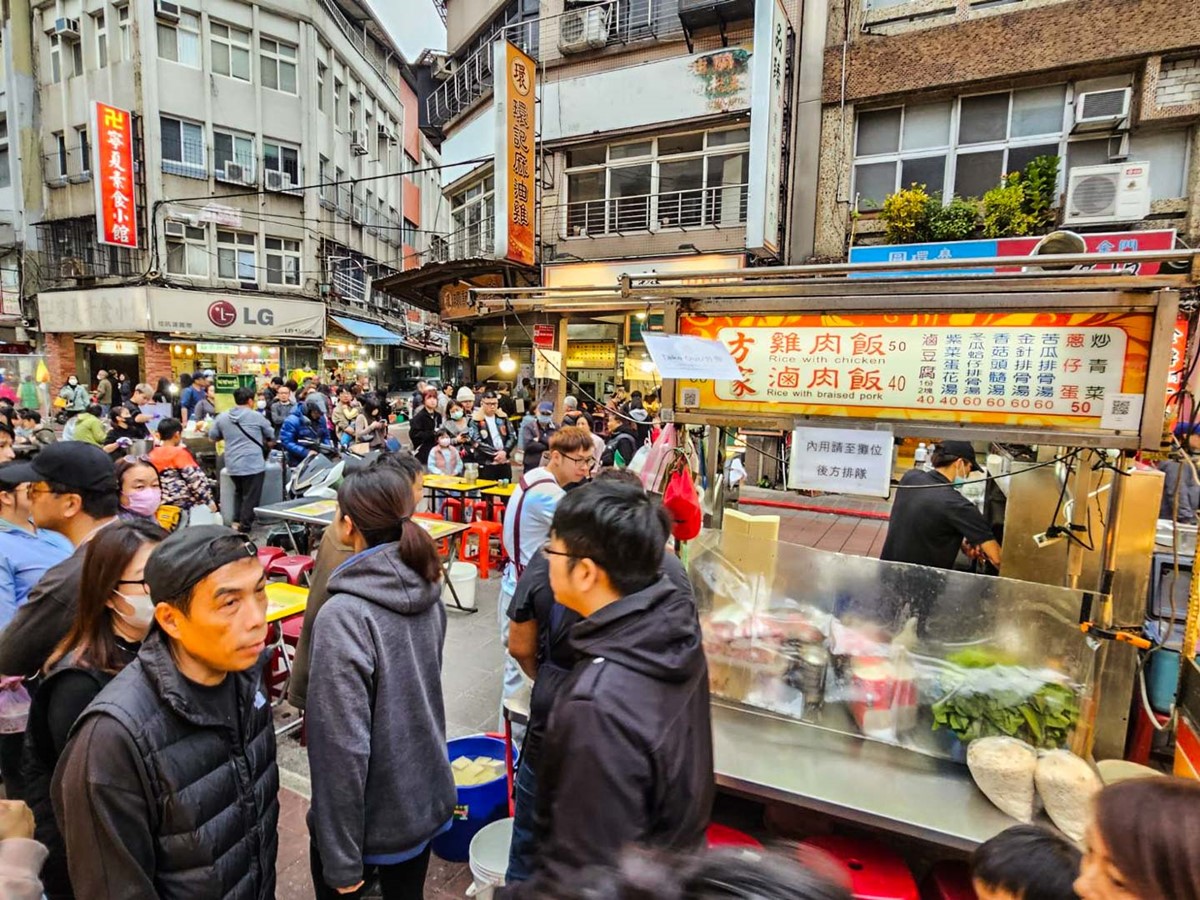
(381, 780)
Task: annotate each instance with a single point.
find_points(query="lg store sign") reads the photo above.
(229, 318)
(224, 314)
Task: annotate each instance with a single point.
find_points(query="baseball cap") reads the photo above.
(464, 393)
(74, 464)
(190, 554)
(545, 407)
(960, 450)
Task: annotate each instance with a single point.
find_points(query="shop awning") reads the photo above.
(368, 332)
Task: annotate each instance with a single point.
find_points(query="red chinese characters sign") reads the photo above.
(1036, 369)
(112, 163)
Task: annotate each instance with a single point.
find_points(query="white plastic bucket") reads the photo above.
(489, 858)
(463, 576)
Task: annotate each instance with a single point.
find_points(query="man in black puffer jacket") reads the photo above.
(169, 787)
(627, 755)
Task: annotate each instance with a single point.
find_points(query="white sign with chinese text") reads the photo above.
(547, 364)
(842, 460)
(769, 96)
(690, 357)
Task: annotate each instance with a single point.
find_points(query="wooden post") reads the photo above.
(564, 388)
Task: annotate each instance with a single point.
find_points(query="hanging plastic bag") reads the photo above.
(682, 503)
(14, 706)
(638, 463)
(654, 469)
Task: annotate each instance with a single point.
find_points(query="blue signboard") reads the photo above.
(906, 253)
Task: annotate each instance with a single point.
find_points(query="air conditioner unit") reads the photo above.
(358, 143)
(235, 172)
(1101, 195)
(274, 180)
(67, 29)
(1099, 110)
(582, 29)
(444, 67)
(385, 133)
(174, 229)
(165, 9)
(71, 267)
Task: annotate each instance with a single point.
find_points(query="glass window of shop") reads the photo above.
(187, 250)
(283, 261)
(237, 256)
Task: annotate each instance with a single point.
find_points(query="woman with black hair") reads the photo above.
(371, 425)
(382, 788)
(114, 617)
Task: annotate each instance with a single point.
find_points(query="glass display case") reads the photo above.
(922, 658)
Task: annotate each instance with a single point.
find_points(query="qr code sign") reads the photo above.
(1121, 407)
(689, 397)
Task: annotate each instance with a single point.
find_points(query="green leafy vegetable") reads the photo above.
(1007, 700)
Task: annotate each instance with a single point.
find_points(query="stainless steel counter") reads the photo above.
(843, 776)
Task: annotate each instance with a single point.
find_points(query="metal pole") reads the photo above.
(1078, 523)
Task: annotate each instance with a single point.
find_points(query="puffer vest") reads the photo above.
(214, 796)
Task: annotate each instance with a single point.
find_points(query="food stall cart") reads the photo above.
(849, 685)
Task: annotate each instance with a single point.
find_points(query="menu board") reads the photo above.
(1028, 369)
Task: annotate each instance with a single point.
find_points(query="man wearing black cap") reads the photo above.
(72, 490)
(931, 520)
(169, 786)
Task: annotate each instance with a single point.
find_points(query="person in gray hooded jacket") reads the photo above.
(382, 787)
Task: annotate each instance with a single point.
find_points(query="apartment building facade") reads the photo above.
(644, 131)
(279, 172)
(953, 94)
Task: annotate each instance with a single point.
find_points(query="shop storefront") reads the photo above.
(152, 332)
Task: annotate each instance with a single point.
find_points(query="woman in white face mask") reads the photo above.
(115, 614)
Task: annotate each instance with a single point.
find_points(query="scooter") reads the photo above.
(320, 473)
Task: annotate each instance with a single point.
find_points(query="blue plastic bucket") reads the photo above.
(478, 805)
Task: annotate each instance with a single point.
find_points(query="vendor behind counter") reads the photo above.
(931, 521)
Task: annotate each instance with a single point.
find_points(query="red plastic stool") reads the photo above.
(452, 509)
(948, 880)
(268, 555)
(875, 871)
(281, 661)
(481, 555)
(719, 835)
(292, 567)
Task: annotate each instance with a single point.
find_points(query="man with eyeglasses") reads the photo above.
(169, 785)
(527, 525)
(627, 758)
(492, 440)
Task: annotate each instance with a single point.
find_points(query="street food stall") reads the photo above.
(852, 686)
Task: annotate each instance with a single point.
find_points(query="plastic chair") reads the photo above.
(452, 509)
(875, 872)
(483, 532)
(292, 567)
(268, 555)
(948, 880)
(718, 835)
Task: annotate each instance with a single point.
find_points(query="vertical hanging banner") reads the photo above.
(112, 165)
(768, 96)
(516, 164)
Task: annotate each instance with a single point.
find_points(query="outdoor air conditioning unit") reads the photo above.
(1100, 110)
(443, 68)
(1101, 195)
(235, 172)
(67, 29)
(386, 134)
(582, 29)
(358, 143)
(174, 229)
(165, 9)
(274, 180)
(71, 267)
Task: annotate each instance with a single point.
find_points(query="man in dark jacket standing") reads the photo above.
(168, 786)
(615, 772)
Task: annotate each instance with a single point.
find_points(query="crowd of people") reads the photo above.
(148, 766)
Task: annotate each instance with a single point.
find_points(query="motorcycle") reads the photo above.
(320, 473)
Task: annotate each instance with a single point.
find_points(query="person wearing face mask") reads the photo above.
(456, 422)
(466, 399)
(76, 395)
(141, 493)
(536, 434)
(931, 521)
(114, 616)
(444, 459)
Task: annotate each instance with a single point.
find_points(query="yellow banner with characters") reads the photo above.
(1025, 369)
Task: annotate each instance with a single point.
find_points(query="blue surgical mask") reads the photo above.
(959, 481)
(545, 420)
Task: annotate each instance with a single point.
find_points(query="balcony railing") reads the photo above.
(70, 252)
(722, 206)
(554, 37)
